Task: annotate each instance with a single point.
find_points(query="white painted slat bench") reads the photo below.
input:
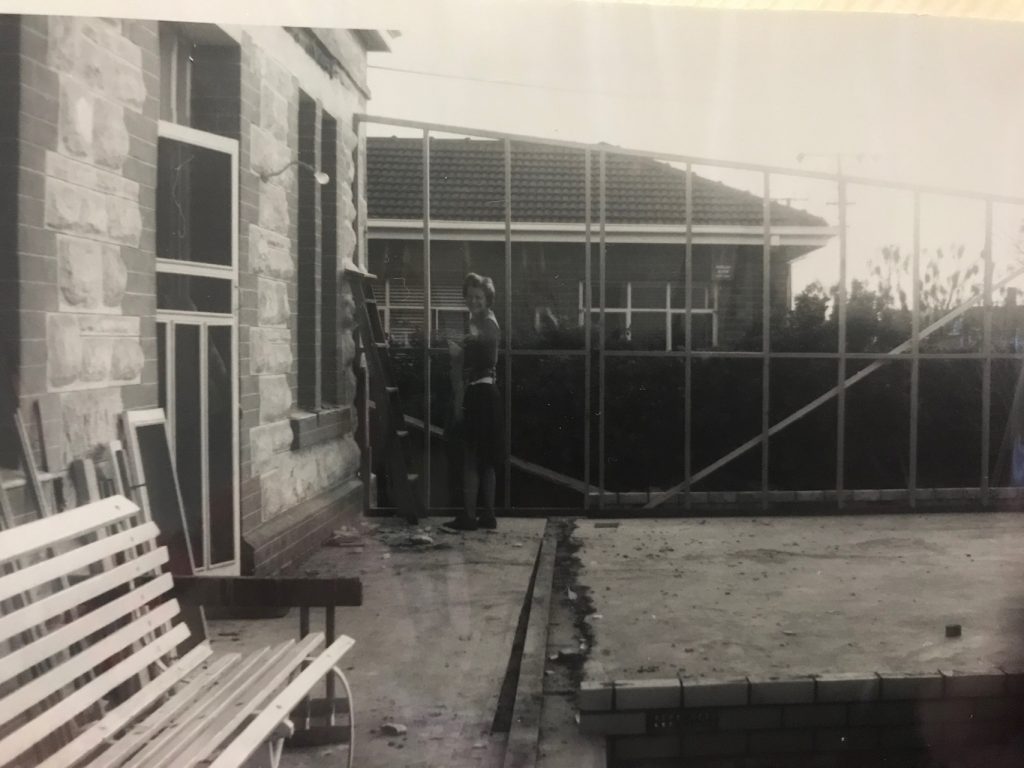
(90, 668)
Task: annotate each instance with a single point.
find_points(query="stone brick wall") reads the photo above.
(78, 151)
(289, 457)
(86, 176)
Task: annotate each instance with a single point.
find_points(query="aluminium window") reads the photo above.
(403, 312)
(652, 314)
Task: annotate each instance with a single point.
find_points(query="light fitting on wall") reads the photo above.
(321, 178)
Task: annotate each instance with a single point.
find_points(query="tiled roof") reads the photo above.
(467, 184)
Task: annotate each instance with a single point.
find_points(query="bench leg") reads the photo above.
(351, 714)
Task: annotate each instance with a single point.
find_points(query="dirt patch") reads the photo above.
(575, 597)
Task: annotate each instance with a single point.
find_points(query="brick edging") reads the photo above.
(621, 706)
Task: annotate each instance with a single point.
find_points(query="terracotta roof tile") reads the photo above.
(467, 184)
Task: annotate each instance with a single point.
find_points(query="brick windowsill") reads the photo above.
(312, 427)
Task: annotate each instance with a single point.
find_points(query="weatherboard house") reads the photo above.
(645, 236)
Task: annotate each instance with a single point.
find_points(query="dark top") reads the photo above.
(481, 348)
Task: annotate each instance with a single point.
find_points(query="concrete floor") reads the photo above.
(433, 639)
(792, 596)
(648, 599)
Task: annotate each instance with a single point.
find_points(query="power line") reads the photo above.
(513, 83)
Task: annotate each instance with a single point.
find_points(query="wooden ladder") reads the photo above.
(397, 444)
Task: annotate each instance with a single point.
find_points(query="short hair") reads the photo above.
(473, 280)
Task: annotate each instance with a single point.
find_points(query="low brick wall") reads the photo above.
(826, 720)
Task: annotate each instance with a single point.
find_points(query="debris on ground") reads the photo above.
(953, 630)
(346, 536)
(568, 654)
(393, 729)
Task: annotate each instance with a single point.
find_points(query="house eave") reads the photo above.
(576, 232)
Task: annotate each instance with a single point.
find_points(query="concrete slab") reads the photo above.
(433, 638)
(724, 598)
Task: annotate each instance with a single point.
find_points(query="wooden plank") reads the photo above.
(247, 702)
(253, 591)
(38, 534)
(180, 728)
(35, 483)
(68, 599)
(85, 481)
(16, 743)
(250, 739)
(53, 568)
(46, 646)
(186, 696)
(189, 728)
(524, 735)
(27, 696)
(118, 718)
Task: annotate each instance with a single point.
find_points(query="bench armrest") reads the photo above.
(263, 592)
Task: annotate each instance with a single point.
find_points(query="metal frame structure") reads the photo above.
(909, 350)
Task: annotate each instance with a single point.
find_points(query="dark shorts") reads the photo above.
(482, 422)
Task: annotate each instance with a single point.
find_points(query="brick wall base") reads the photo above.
(286, 540)
(948, 718)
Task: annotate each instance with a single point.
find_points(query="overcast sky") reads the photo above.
(924, 100)
(936, 101)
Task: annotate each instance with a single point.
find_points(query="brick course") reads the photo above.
(850, 721)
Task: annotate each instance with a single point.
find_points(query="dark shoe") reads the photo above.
(488, 522)
(461, 524)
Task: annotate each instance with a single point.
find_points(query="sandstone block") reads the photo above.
(268, 440)
(275, 398)
(96, 354)
(274, 112)
(115, 277)
(273, 208)
(126, 360)
(75, 126)
(271, 493)
(123, 82)
(75, 209)
(270, 254)
(80, 273)
(64, 350)
(269, 155)
(272, 297)
(124, 221)
(110, 139)
(90, 419)
(346, 242)
(109, 325)
(84, 175)
(63, 43)
(270, 350)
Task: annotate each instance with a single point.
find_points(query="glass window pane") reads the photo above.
(192, 293)
(193, 217)
(188, 432)
(649, 295)
(647, 330)
(703, 331)
(221, 448)
(614, 293)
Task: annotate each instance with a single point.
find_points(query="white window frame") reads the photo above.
(187, 135)
(436, 309)
(710, 297)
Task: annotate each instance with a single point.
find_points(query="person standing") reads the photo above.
(482, 428)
